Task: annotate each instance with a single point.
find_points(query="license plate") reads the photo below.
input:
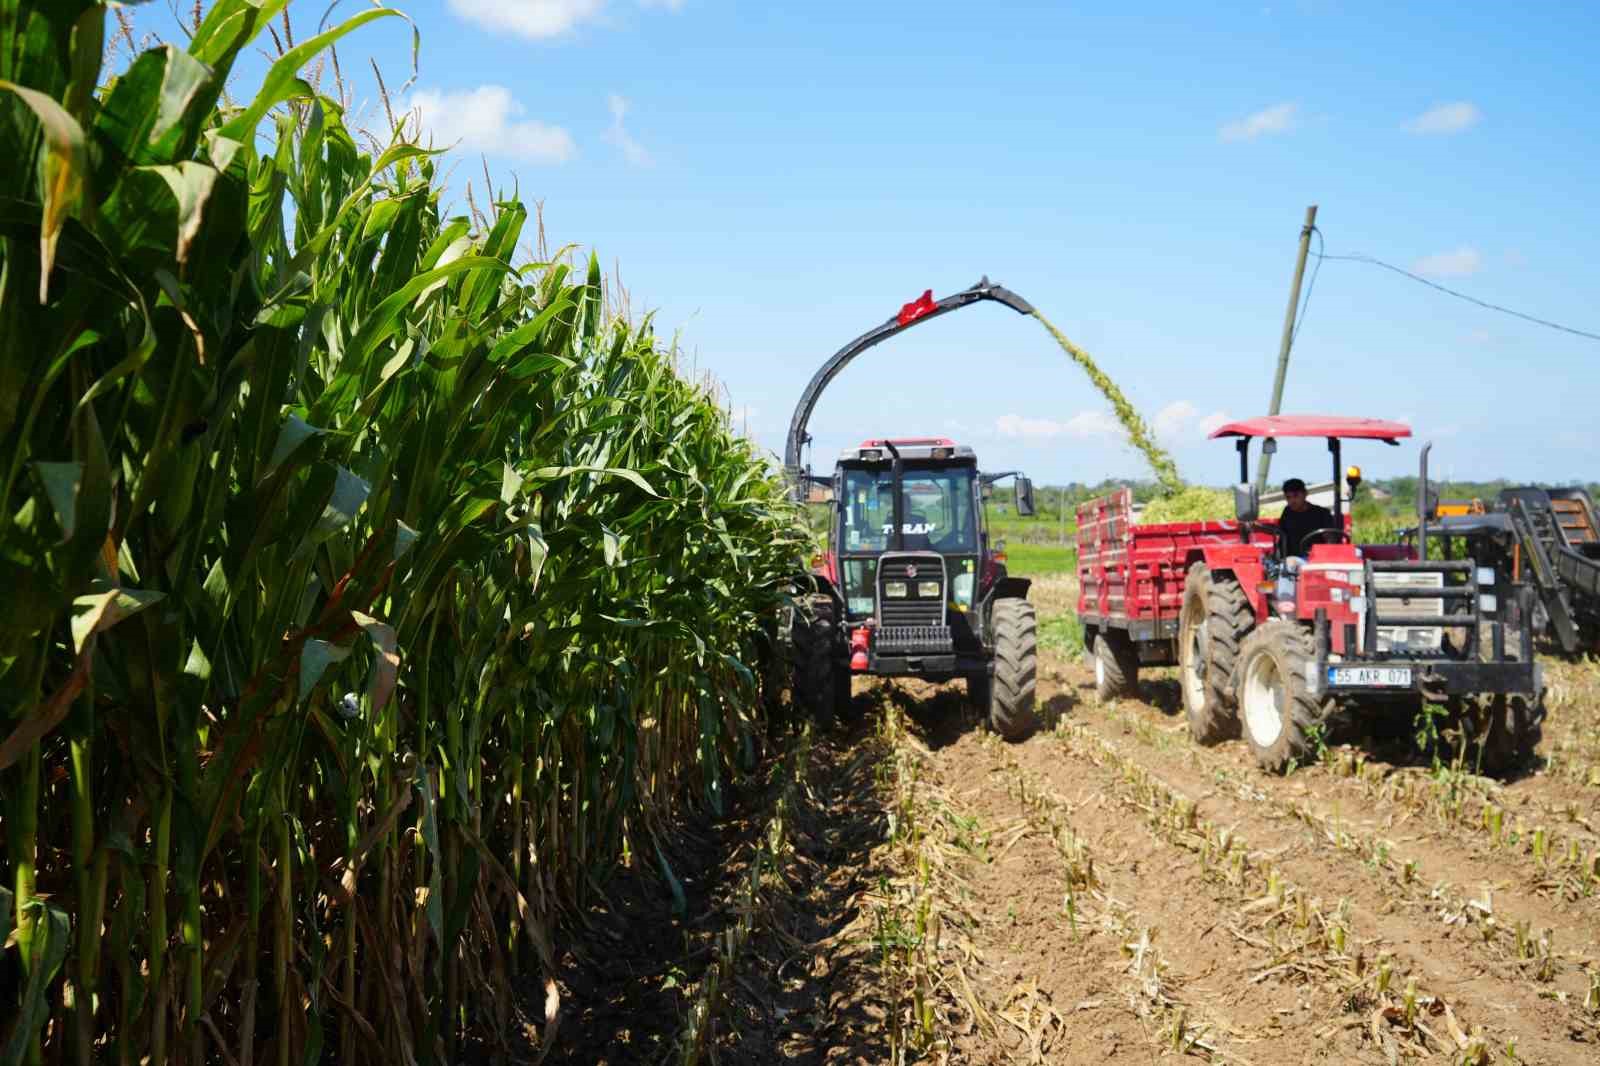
(1379, 676)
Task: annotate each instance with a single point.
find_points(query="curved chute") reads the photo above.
(918, 310)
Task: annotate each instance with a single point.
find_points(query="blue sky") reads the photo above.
(774, 179)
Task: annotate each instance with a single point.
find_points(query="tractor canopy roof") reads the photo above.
(1315, 426)
(910, 449)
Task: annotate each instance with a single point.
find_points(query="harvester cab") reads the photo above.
(910, 584)
(1275, 638)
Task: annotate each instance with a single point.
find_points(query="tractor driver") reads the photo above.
(1300, 518)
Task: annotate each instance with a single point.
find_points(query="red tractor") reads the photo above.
(1273, 639)
(910, 584)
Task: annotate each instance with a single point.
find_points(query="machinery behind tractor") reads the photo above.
(1272, 639)
(910, 584)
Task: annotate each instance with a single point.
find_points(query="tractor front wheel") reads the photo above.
(1212, 626)
(1282, 719)
(821, 683)
(1011, 690)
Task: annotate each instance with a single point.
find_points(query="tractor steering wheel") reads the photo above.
(1306, 541)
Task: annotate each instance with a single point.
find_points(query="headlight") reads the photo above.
(928, 590)
(1354, 577)
(895, 589)
(1487, 604)
(1486, 576)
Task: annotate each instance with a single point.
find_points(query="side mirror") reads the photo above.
(1246, 502)
(1024, 496)
(988, 490)
(820, 490)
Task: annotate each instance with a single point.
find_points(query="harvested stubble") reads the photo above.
(1179, 1026)
(369, 591)
(1536, 955)
(1318, 945)
(772, 851)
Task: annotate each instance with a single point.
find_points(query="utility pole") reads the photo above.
(1288, 337)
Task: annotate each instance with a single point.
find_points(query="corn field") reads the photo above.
(372, 590)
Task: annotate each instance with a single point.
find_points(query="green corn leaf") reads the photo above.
(63, 177)
(349, 494)
(147, 117)
(315, 658)
(283, 81)
(430, 836)
(680, 902)
(104, 608)
(61, 484)
(229, 26)
(385, 663)
(295, 432)
(52, 931)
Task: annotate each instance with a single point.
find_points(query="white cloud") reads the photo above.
(1272, 120)
(1181, 420)
(618, 134)
(538, 19)
(543, 19)
(1085, 425)
(488, 120)
(1174, 418)
(1457, 264)
(1446, 118)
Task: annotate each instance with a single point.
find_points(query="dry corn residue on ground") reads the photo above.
(907, 887)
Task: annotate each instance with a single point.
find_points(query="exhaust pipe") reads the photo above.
(1422, 503)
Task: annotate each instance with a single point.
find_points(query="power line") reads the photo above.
(1449, 292)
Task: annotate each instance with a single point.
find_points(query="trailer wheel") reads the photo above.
(1501, 731)
(1011, 691)
(1214, 622)
(1279, 714)
(1116, 665)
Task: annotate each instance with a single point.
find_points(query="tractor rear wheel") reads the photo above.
(1116, 665)
(1011, 690)
(1215, 619)
(1280, 715)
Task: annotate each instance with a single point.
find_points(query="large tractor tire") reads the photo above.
(1500, 732)
(1116, 665)
(1279, 714)
(1212, 626)
(1012, 713)
(822, 684)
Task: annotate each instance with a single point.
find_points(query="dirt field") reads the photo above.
(1107, 890)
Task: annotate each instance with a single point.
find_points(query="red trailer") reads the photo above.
(1131, 582)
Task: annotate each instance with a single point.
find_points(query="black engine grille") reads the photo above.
(901, 640)
(912, 610)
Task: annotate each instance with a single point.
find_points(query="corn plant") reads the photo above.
(372, 588)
